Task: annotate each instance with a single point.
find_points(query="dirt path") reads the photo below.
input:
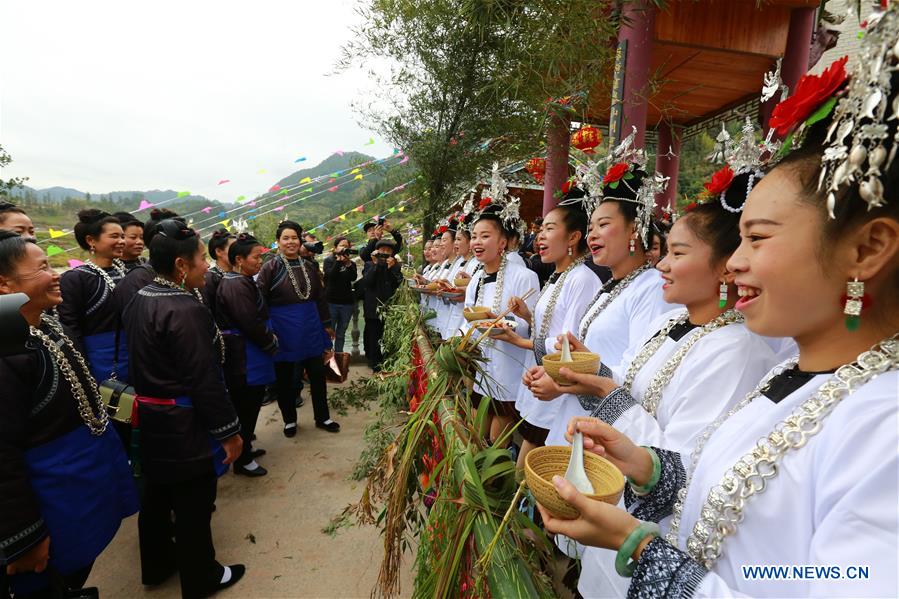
(284, 512)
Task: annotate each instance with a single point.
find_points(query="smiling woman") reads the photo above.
(55, 443)
(87, 291)
(819, 242)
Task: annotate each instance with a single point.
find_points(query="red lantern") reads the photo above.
(537, 168)
(586, 139)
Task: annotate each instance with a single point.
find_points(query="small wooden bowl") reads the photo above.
(583, 362)
(461, 282)
(475, 313)
(432, 286)
(543, 463)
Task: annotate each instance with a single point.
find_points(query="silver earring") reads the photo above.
(570, 252)
(855, 295)
(722, 295)
(632, 246)
(183, 279)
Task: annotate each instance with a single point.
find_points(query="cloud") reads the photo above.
(110, 95)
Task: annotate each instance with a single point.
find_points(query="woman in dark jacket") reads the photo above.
(340, 274)
(242, 315)
(292, 285)
(188, 429)
(87, 307)
(65, 484)
(218, 246)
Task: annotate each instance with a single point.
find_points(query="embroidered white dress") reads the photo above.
(623, 321)
(717, 372)
(504, 362)
(454, 319)
(445, 307)
(833, 502)
(579, 287)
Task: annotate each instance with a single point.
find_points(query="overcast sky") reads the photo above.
(107, 95)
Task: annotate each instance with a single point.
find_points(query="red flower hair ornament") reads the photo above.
(720, 181)
(616, 173)
(484, 203)
(811, 95)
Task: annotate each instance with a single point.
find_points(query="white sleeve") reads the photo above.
(579, 292)
(636, 344)
(471, 290)
(527, 280)
(720, 373)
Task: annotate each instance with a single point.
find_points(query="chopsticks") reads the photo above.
(502, 315)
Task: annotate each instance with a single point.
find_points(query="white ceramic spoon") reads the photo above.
(576, 474)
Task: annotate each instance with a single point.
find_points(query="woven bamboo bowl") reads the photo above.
(543, 463)
(461, 282)
(475, 313)
(432, 286)
(583, 362)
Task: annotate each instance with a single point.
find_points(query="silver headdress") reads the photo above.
(590, 177)
(742, 156)
(855, 152)
(499, 197)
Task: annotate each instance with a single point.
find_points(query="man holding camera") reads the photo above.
(381, 276)
(375, 231)
(340, 274)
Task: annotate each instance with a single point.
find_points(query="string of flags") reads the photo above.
(282, 194)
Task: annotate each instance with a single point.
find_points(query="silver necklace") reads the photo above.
(725, 503)
(97, 418)
(110, 284)
(598, 306)
(551, 305)
(293, 279)
(497, 292)
(653, 393)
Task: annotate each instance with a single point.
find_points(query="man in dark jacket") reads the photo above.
(375, 231)
(381, 276)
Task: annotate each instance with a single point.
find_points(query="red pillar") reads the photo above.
(668, 163)
(796, 54)
(638, 21)
(558, 138)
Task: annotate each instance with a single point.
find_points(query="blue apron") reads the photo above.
(260, 366)
(300, 332)
(100, 350)
(84, 488)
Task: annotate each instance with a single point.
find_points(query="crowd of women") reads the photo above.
(748, 381)
(182, 353)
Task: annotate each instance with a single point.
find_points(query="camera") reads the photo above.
(379, 257)
(316, 247)
(347, 252)
(14, 329)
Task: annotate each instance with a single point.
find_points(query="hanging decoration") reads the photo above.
(537, 168)
(586, 139)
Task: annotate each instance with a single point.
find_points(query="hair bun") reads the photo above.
(162, 214)
(89, 216)
(6, 206)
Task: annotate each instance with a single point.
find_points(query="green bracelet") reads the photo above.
(656, 473)
(643, 530)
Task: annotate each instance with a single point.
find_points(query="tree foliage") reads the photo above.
(466, 82)
(7, 185)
